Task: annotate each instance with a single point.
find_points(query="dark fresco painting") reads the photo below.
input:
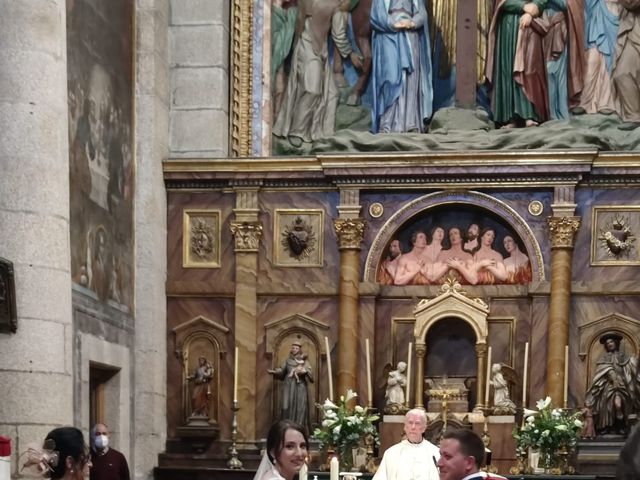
(100, 48)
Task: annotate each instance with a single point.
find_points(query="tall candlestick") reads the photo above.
(407, 399)
(565, 398)
(488, 379)
(235, 378)
(369, 390)
(326, 346)
(525, 375)
(333, 470)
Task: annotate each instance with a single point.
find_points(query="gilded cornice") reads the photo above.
(562, 230)
(246, 235)
(350, 232)
(241, 125)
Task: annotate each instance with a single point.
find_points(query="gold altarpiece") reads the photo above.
(544, 198)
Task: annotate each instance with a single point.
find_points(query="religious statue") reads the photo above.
(515, 65)
(308, 110)
(627, 65)
(201, 395)
(396, 383)
(502, 404)
(614, 392)
(295, 373)
(401, 66)
(588, 429)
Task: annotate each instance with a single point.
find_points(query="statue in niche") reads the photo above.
(626, 68)
(201, 395)
(614, 392)
(295, 373)
(396, 384)
(502, 404)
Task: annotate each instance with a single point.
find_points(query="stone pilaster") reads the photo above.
(247, 232)
(350, 230)
(36, 371)
(562, 230)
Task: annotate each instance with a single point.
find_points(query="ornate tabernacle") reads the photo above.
(451, 396)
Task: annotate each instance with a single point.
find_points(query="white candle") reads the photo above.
(565, 398)
(333, 471)
(369, 390)
(326, 346)
(407, 399)
(486, 391)
(303, 473)
(235, 378)
(525, 375)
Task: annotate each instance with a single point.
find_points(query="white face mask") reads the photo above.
(102, 441)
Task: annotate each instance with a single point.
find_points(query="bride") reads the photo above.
(285, 454)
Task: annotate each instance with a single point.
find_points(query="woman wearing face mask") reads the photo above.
(286, 452)
(64, 455)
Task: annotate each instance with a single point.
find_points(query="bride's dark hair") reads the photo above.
(275, 437)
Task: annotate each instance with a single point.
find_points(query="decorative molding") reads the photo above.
(298, 237)
(242, 34)
(200, 238)
(614, 231)
(246, 235)
(350, 232)
(563, 230)
(8, 313)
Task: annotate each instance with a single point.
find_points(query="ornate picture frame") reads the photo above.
(298, 236)
(614, 230)
(201, 238)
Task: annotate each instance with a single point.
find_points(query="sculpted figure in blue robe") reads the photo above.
(401, 73)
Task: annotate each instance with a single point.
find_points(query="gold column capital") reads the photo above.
(481, 349)
(563, 231)
(350, 232)
(421, 349)
(246, 235)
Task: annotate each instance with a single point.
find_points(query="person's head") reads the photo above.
(296, 348)
(510, 244)
(73, 455)
(487, 236)
(437, 234)
(611, 341)
(472, 231)
(419, 238)
(287, 444)
(496, 368)
(202, 361)
(415, 423)
(402, 366)
(394, 248)
(99, 437)
(461, 454)
(455, 237)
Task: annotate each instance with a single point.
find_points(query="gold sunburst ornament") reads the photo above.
(616, 238)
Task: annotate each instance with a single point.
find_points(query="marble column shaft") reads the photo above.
(481, 384)
(418, 381)
(36, 369)
(350, 232)
(562, 235)
(247, 232)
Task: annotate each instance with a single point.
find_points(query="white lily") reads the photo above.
(328, 404)
(577, 423)
(542, 404)
(561, 427)
(529, 413)
(350, 394)
(359, 409)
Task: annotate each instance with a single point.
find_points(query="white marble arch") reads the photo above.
(492, 205)
(451, 302)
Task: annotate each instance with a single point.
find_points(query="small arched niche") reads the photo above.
(452, 315)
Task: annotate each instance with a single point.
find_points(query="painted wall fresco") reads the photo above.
(100, 84)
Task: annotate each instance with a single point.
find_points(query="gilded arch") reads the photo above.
(480, 200)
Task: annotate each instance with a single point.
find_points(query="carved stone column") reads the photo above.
(481, 356)
(349, 229)
(562, 230)
(247, 231)
(421, 353)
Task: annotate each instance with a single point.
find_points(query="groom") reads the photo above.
(461, 456)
